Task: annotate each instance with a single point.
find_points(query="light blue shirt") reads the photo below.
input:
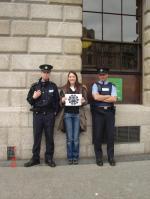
(95, 88)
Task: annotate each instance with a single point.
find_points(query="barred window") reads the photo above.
(112, 37)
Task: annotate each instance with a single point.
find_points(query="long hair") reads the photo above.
(77, 84)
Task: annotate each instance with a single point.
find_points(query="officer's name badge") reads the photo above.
(51, 91)
(73, 99)
(105, 89)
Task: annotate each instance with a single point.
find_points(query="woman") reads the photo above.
(72, 116)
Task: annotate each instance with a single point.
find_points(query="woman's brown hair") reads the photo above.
(77, 84)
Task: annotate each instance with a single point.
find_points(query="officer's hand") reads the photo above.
(36, 94)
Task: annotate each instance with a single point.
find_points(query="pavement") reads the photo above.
(129, 179)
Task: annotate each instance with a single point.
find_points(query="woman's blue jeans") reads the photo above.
(72, 126)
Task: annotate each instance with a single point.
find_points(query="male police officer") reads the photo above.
(44, 99)
(104, 95)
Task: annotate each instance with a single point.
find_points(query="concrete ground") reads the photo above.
(129, 179)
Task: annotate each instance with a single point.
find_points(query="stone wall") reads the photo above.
(33, 32)
(146, 52)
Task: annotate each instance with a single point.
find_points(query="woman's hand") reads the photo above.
(82, 100)
(63, 99)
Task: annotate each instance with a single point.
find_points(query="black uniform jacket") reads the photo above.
(49, 99)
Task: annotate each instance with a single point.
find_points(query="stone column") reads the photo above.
(146, 52)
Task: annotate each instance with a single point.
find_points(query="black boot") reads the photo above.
(50, 162)
(31, 163)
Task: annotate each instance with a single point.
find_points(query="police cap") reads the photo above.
(103, 70)
(46, 67)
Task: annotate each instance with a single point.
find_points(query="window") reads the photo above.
(125, 134)
(112, 38)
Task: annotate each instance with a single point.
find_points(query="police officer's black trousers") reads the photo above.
(103, 123)
(43, 121)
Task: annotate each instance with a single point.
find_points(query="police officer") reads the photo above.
(43, 96)
(104, 95)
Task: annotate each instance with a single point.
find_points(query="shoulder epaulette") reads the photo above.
(112, 83)
(34, 84)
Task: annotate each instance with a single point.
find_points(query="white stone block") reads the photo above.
(56, 78)
(14, 137)
(146, 51)
(38, 1)
(72, 13)
(13, 117)
(83, 151)
(121, 149)
(146, 5)
(147, 147)
(85, 139)
(4, 99)
(4, 61)
(13, 44)
(24, 119)
(39, 11)
(146, 20)
(30, 119)
(27, 62)
(3, 136)
(136, 148)
(4, 27)
(145, 133)
(90, 150)
(13, 10)
(9, 119)
(146, 36)
(64, 29)
(146, 98)
(147, 66)
(60, 151)
(26, 153)
(45, 45)
(130, 115)
(26, 138)
(3, 152)
(32, 77)
(72, 46)
(14, 79)
(18, 97)
(146, 82)
(64, 63)
(75, 2)
(22, 27)
(60, 139)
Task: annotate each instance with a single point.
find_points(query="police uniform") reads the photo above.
(44, 110)
(103, 118)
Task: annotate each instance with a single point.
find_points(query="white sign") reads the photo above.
(73, 99)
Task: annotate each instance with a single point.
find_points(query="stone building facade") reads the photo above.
(33, 32)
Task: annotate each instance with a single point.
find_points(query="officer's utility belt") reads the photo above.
(42, 112)
(37, 111)
(105, 107)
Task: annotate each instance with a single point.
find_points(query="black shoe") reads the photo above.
(50, 163)
(75, 162)
(70, 162)
(31, 163)
(99, 162)
(112, 162)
